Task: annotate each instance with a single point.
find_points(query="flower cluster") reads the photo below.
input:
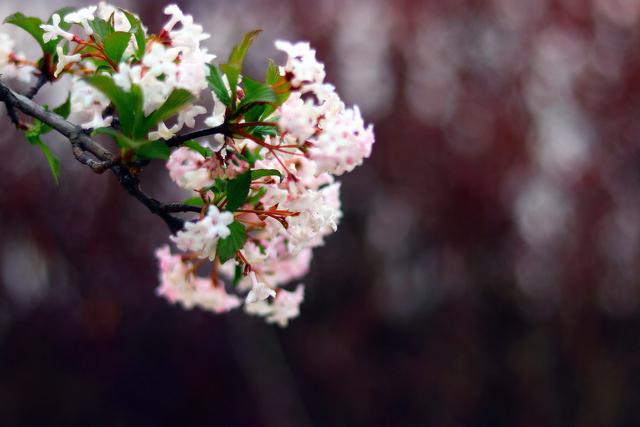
(263, 185)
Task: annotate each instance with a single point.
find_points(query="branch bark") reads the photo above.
(82, 145)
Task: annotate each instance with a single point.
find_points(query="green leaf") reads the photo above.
(259, 173)
(30, 24)
(128, 105)
(256, 92)
(154, 150)
(257, 196)
(62, 12)
(194, 201)
(174, 103)
(64, 109)
(239, 51)
(101, 28)
(273, 73)
(228, 246)
(238, 190)
(122, 140)
(237, 275)
(264, 130)
(195, 146)
(118, 97)
(232, 77)
(216, 84)
(33, 136)
(115, 44)
(138, 32)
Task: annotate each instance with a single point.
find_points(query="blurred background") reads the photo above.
(485, 273)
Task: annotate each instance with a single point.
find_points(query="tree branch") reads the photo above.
(223, 129)
(82, 144)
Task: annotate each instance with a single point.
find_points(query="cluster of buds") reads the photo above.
(263, 184)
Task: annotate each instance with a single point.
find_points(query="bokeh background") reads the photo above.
(485, 273)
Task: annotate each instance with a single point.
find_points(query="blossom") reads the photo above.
(82, 17)
(343, 143)
(315, 216)
(178, 284)
(186, 169)
(53, 31)
(259, 292)
(163, 132)
(64, 60)
(301, 63)
(87, 105)
(201, 237)
(286, 306)
(217, 115)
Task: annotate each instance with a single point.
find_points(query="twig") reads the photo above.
(82, 144)
(223, 129)
(42, 80)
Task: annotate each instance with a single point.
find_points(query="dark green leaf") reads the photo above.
(195, 146)
(176, 101)
(232, 78)
(239, 51)
(259, 173)
(237, 191)
(264, 130)
(273, 73)
(115, 44)
(101, 28)
(138, 32)
(194, 201)
(122, 140)
(216, 84)
(237, 275)
(228, 246)
(154, 150)
(33, 136)
(30, 24)
(256, 92)
(257, 196)
(64, 109)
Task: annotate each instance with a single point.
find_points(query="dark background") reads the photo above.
(485, 272)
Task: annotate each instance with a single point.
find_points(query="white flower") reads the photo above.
(54, 31)
(259, 291)
(178, 284)
(87, 105)
(187, 116)
(343, 143)
(82, 17)
(301, 63)
(163, 132)
(316, 217)
(176, 16)
(286, 306)
(64, 60)
(202, 236)
(97, 121)
(217, 115)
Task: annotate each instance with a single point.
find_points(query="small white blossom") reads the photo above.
(82, 17)
(286, 306)
(259, 291)
(64, 60)
(202, 236)
(163, 132)
(53, 31)
(301, 63)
